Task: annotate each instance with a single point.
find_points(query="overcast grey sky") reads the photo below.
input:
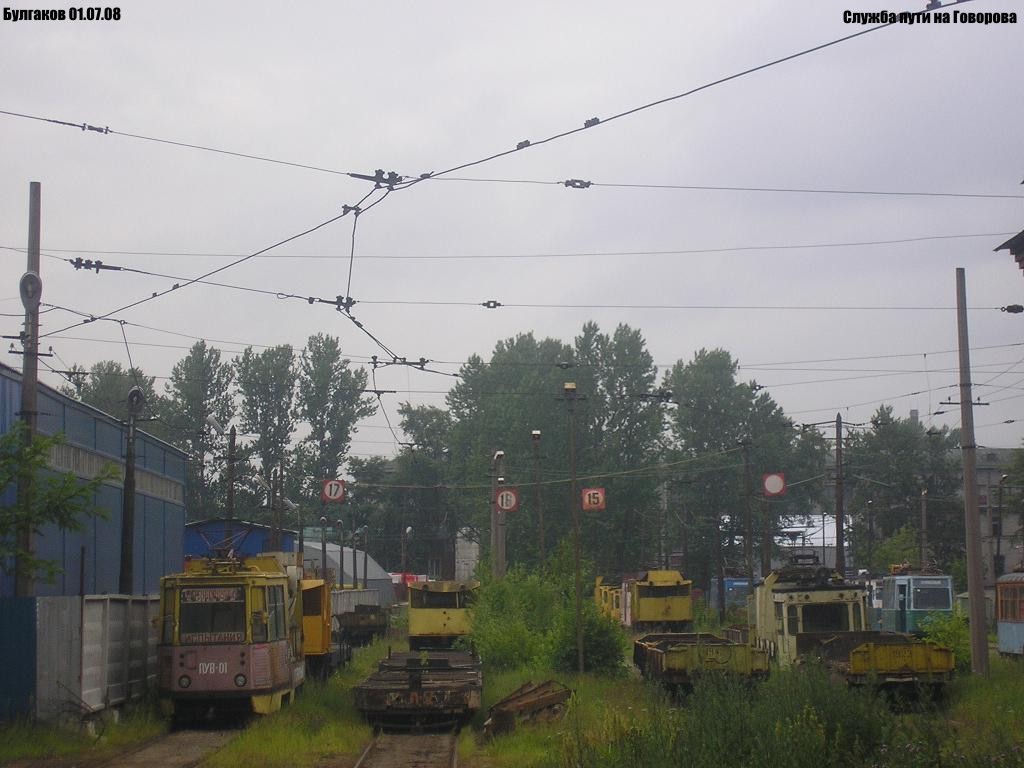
(419, 87)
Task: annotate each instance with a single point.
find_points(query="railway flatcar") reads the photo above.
(422, 689)
(678, 659)
(230, 635)
(432, 685)
(658, 601)
(909, 597)
(804, 610)
(439, 612)
(1010, 614)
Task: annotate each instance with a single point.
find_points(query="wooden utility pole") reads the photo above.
(748, 537)
(924, 527)
(31, 293)
(840, 543)
(570, 398)
(972, 521)
(126, 577)
(767, 540)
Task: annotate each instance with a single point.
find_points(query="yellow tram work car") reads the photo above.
(439, 612)
(657, 601)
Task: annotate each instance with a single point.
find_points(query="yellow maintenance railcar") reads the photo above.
(804, 610)
(439, 612)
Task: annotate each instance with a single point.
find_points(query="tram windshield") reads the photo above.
(931, 595)
(826, 617)
(211, 615)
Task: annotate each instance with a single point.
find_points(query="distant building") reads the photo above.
(89, 559)
(1001, 532)
(467, 556)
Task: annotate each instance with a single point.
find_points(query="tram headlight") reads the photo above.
(240, 681)
(184, 681)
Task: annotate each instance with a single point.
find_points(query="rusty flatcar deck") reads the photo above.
(421, 689)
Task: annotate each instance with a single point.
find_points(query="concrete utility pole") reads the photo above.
(569, 389)
(840, 542)
(323, 548)
(126, 577)
(31, 292)
(497, 517)
(972, 518)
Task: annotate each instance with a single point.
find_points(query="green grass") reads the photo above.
(24, 740)
(322, 725)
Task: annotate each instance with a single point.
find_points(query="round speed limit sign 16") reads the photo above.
(507, 499)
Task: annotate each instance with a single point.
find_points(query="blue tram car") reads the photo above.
(1010, 614)
(908, 598)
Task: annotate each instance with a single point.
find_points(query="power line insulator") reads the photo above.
(491, 304)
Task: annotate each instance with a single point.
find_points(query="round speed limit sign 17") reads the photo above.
(332, 491)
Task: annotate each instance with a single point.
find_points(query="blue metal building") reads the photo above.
(94, 440)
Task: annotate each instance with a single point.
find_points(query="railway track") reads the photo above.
(179, 749)
(411, 750)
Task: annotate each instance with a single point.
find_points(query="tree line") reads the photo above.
(680, 454)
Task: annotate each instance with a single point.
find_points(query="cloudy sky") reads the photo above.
(418, 87)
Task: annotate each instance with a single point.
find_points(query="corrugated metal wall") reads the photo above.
(65, 656)
(94, 440)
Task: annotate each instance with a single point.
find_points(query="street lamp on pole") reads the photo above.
(323, 548)
(230, 506)
(341, 552)
(535, 439)
(871, 530)
(291, 506)
(405, 539)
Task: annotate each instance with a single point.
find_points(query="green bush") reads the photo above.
(528, 619)
(952, 631)
(512, 617)
(604, 641)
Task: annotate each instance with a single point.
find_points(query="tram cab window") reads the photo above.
(793, 620)
(778, 618)
(422, 598)
(211, 615)
(826, 617)
(858, 616)
(311, 601)
(278, 627)
(258, 598)
(931, 595)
